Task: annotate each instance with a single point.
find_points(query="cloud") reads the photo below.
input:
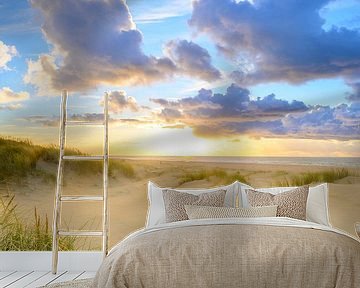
(169, 114)
(278, 40)
(322, 122)
(192, 59)
(11, 107)
(47, 121)
(340, 122)
(235, 103)
(97, 43)
(94, 42)
(119, 101)
(271, 104)
(53, 121)
(9, 99)
(39, 73)
(7, 95)
(355, 95)
(7, 52)
(235, 113)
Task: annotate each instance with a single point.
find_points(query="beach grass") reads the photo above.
(19, 158)
(122, 166)
(221, 175)
(33, 235)
(328, 176)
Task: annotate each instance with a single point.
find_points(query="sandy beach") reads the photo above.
(128, 196)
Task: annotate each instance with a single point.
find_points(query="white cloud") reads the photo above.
(6, 54)
(39, 73)
(119, 101)
(91, 50)
(94, 43)
(9, 96)
(11, 107)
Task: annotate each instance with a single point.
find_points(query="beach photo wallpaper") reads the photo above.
(201, 93)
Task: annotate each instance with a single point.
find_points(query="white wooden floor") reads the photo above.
(30, 279)
(32, 269)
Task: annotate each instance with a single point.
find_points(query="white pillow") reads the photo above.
(317, 207)
(156, 209)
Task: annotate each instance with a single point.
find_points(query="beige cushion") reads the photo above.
(156, 208)
(175, 201)
(201, 212)
(290, 204)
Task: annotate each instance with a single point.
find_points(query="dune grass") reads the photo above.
(19, 158)
(220, 174)
(123, 167)
(34, 235)
(328, 176)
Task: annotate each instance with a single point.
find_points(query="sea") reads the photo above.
(351, 162)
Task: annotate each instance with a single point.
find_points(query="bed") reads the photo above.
(235, 252)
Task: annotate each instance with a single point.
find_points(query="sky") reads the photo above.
(202, 77)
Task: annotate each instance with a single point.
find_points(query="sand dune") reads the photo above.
(128, 200)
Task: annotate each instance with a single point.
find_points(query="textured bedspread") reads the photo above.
(233, 254)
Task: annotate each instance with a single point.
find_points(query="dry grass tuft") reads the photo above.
(34, 235)
(220, 174)
(328, 176)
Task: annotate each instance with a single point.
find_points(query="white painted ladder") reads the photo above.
(59, 198)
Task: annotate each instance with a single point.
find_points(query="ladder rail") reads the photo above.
(105, 176)
(59, 180)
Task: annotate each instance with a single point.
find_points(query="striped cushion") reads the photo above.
(201, 212)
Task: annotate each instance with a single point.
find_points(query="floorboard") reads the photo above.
(87, 275)
(68, 276)
(28, 279)
(12, 278)
(34, 279)
(46, 279)
(5, 274)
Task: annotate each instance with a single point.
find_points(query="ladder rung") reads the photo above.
(79, 157)
(80, 233)
(81, 198)
(84, 123)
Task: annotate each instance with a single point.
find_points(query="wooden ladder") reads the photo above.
(59, 197)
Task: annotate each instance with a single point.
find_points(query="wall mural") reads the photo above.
(201, 93)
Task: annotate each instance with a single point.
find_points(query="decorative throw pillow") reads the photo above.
(156, 208)
(201, 212)
(317, 206)
(290, 204)
(175, 201)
